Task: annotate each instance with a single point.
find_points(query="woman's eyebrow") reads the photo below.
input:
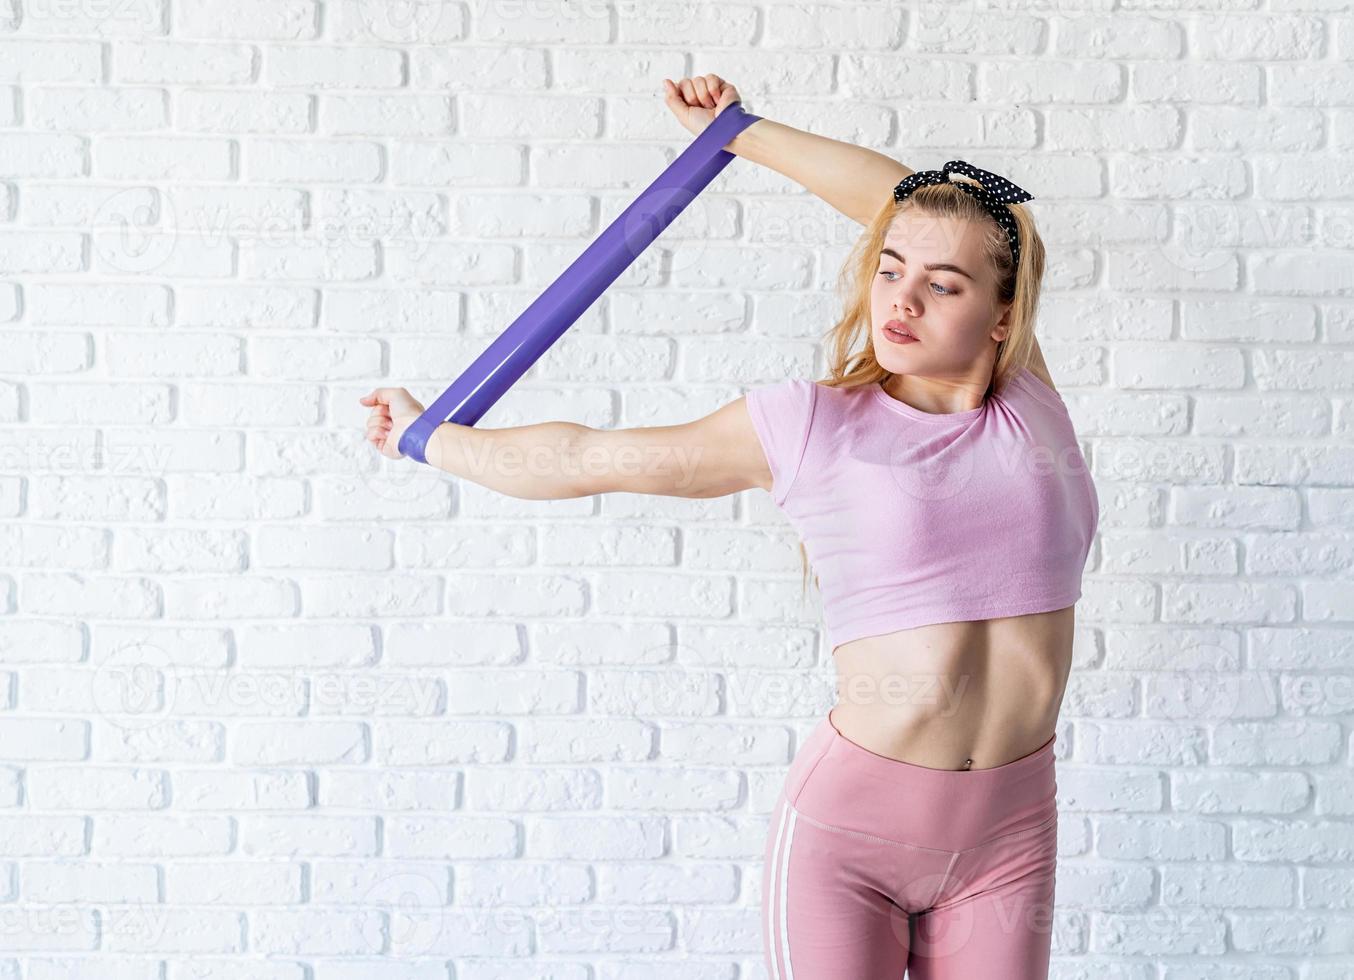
(930, 266)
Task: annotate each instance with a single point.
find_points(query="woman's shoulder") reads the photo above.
(1027, 380)
(827, 386)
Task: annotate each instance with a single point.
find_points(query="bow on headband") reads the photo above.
(994, 194)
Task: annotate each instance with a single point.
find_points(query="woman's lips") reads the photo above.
(890, 331)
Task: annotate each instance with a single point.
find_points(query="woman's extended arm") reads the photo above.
(854, 180)
(717, 454)
(533, 462)
(707, 457)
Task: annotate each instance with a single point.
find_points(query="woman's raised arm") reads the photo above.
(854, 180)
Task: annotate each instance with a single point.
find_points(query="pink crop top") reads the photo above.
(911, 518)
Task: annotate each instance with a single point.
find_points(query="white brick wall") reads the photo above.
(271, 709)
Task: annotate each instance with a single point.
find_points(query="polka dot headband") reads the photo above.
(994, 194)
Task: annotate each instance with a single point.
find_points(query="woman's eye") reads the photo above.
(943, 290)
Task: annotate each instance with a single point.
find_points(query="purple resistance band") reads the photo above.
(543, 322)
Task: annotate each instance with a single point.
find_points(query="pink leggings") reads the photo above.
(876, 866)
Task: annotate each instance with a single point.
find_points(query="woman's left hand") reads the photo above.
(393, 410)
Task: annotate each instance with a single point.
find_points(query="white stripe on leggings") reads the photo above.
(773, 882)
(780, 878)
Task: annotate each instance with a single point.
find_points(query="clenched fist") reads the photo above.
(696, 101)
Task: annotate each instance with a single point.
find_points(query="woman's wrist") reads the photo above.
(435, 451)
(745, 143)
(398, 426)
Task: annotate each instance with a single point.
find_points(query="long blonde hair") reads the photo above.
(849, 368)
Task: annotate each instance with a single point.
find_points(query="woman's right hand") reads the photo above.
(696, 101)
(392, 411)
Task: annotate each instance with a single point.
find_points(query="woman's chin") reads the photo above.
(898, 361)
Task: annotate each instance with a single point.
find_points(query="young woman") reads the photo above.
(937, 483)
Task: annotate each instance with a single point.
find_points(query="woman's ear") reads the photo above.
(1002, 328)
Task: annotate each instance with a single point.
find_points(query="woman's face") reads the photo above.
(951, 309)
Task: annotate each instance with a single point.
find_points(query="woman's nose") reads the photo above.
(906, 299)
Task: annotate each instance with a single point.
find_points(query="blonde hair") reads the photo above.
(849, 368)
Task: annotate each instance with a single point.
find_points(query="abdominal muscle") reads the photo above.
(971, 695)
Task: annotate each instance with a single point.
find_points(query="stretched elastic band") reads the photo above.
(543, 322)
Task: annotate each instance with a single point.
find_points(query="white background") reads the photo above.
(273, 709)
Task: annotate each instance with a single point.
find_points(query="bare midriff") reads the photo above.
(972, 695)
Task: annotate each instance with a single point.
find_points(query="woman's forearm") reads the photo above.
(854, 180)
(533, 462)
